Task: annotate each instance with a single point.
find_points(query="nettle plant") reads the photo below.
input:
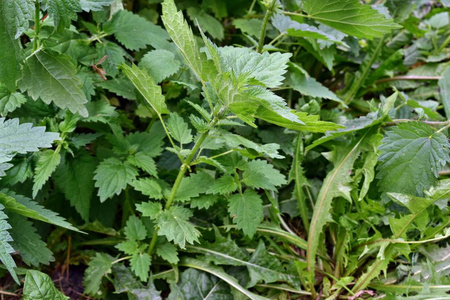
(189, 191)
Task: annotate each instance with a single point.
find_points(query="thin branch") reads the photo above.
(408, 77)
(444, 173)
(399, 121)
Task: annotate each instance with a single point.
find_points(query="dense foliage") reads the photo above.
(224, 149)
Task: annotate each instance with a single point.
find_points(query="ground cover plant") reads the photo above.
(224, 149)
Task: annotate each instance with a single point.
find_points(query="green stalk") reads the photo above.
(180, 177)
(302, 207)
(262, 35)
(37, 26)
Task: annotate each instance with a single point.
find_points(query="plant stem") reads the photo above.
(399, 121)
(37, 25)
(262, 35)
(408, 77)
(180, 176)
(298, 186)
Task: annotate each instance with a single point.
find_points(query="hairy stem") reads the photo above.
(37, 26)
(262, 35)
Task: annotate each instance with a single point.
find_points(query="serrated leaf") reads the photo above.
(120, 86)
(193, 186)
(351, 17)
(14, 20)
(174, 225)
(249, 26)
(160, 64)
(129, 247)
(143, 161)
(149, 209)
(168, 252)
(98, 267)
(412, 154)
(204, 201)
(46, 165)
(94, 5)
(5, 248)
(75, 179)
(135, 32)
(145, 84)
(135, 229)
(112, 176)
(28, 208)
(140, 264)
(10, 101)
(52, 78)
(62, 12)
(39, 286)
(28, 243)
(260, 174)
(179, 129)
(206, 22)
(19, 173)
(246, 210)
(444, 85)
(148, 187)
(151, 143)
(223, 185)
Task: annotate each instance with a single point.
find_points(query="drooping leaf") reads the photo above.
(28, 243)
(98, 267)
(46, 165)
(39, 286)
(5, 248)
(140, 264)
(351, 17)
(246, 210)
(412, 154)
(135, 229)
(52, 78)
(179, 129)
(145, 84)
(112, 176)
(28, 208)
(260, 174)
(160, 64)
(62, 12)
(174, 224)
(168, 252)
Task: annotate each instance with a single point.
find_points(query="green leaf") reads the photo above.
(10, 101)
(135, 229)
(94, 5)
(52, 78)
(182, 36)
(148, 187)
(14, 20)
(351, 17)
(135, 32)
(204, 201)
(149, 209)
(140, 264)
(145, 84)
(223, 185)
(28, 208)
(5, 247)
(259, 174)
(39, 286)
(143, 161)
(246, 211)
(249, 26)
(28, 243)
(75, 179)
(160, 64)
(46, 165)
(112, 176)
(168, 252)
(21, 138)
(193, 186)
(179, 129)
(174, 225)
(194, 284)
(206, 22)
(63, 11)
(412, 154)
(444, 85)
(98, 267)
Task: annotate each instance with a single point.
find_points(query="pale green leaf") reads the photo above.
(412, 154)
(249, 26)
(135, 229)
(28, 208)
(135, 32)
(168, 252)
(63, 11)
(140, 265)
(145, 84)
(444, 85)
(112, 176)
(143, 161)
(52, 78)
(179, 129)
(149, 209)
(129, 247)
(160, 64)
(94, 5)
(39, 286)
(223, 185)
(350, 17)
(174, 224)
(148, 187)
(193, 186)
(5, 248)
(204, 201)
(10, 101)
(98, 267)
(260, 174)
(28, 243)
(46, 165)
(206, 22)
(246, 210)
